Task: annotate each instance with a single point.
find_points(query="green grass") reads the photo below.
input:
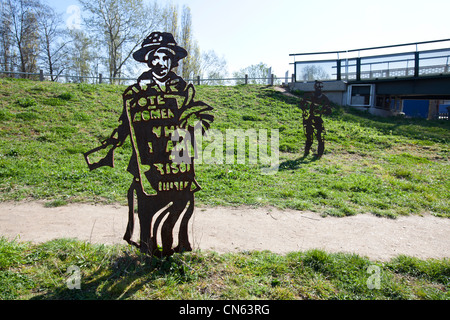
(40, 271)
(386, 166)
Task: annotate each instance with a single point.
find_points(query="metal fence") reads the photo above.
(98, 79)
(374, 63)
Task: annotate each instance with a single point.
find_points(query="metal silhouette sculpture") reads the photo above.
(313, 107)
(156, 111)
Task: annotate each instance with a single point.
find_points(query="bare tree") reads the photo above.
(257, 74)
(6, 62)
(81, 55)
(190, 66)
(169, 19)
(24, 30)
(213, 67)
(120, 26)
(53, 43)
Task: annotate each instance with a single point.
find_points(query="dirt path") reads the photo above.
(236, 229)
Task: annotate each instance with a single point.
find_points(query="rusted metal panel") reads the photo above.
(313, 106)
(158, 112)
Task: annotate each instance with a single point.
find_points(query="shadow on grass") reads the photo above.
(415, 128)
(297, 163)
(119, 280)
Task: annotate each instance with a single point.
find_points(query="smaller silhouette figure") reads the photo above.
(314, 106)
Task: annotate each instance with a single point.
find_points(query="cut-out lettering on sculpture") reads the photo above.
(156, 109)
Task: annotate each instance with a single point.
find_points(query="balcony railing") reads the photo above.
(356, 65)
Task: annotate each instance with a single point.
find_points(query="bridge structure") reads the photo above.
(381, 79)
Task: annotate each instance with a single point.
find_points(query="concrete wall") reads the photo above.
(336, 91)
(376, 111)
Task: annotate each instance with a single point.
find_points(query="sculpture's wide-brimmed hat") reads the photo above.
(158, 40)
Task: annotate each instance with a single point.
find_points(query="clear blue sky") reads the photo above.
(247, 32)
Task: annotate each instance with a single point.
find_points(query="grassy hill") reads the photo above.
(387, 166)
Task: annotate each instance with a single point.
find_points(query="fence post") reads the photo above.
(41, 75)
(198, 80)
(100, 78)
(338, 68)
(271, 79)
(246, 79)
(358, 69)
(416, 64)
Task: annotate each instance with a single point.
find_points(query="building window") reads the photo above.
(361, 95)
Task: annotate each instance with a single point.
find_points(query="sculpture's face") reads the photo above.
(160, 63)
(318, 86)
